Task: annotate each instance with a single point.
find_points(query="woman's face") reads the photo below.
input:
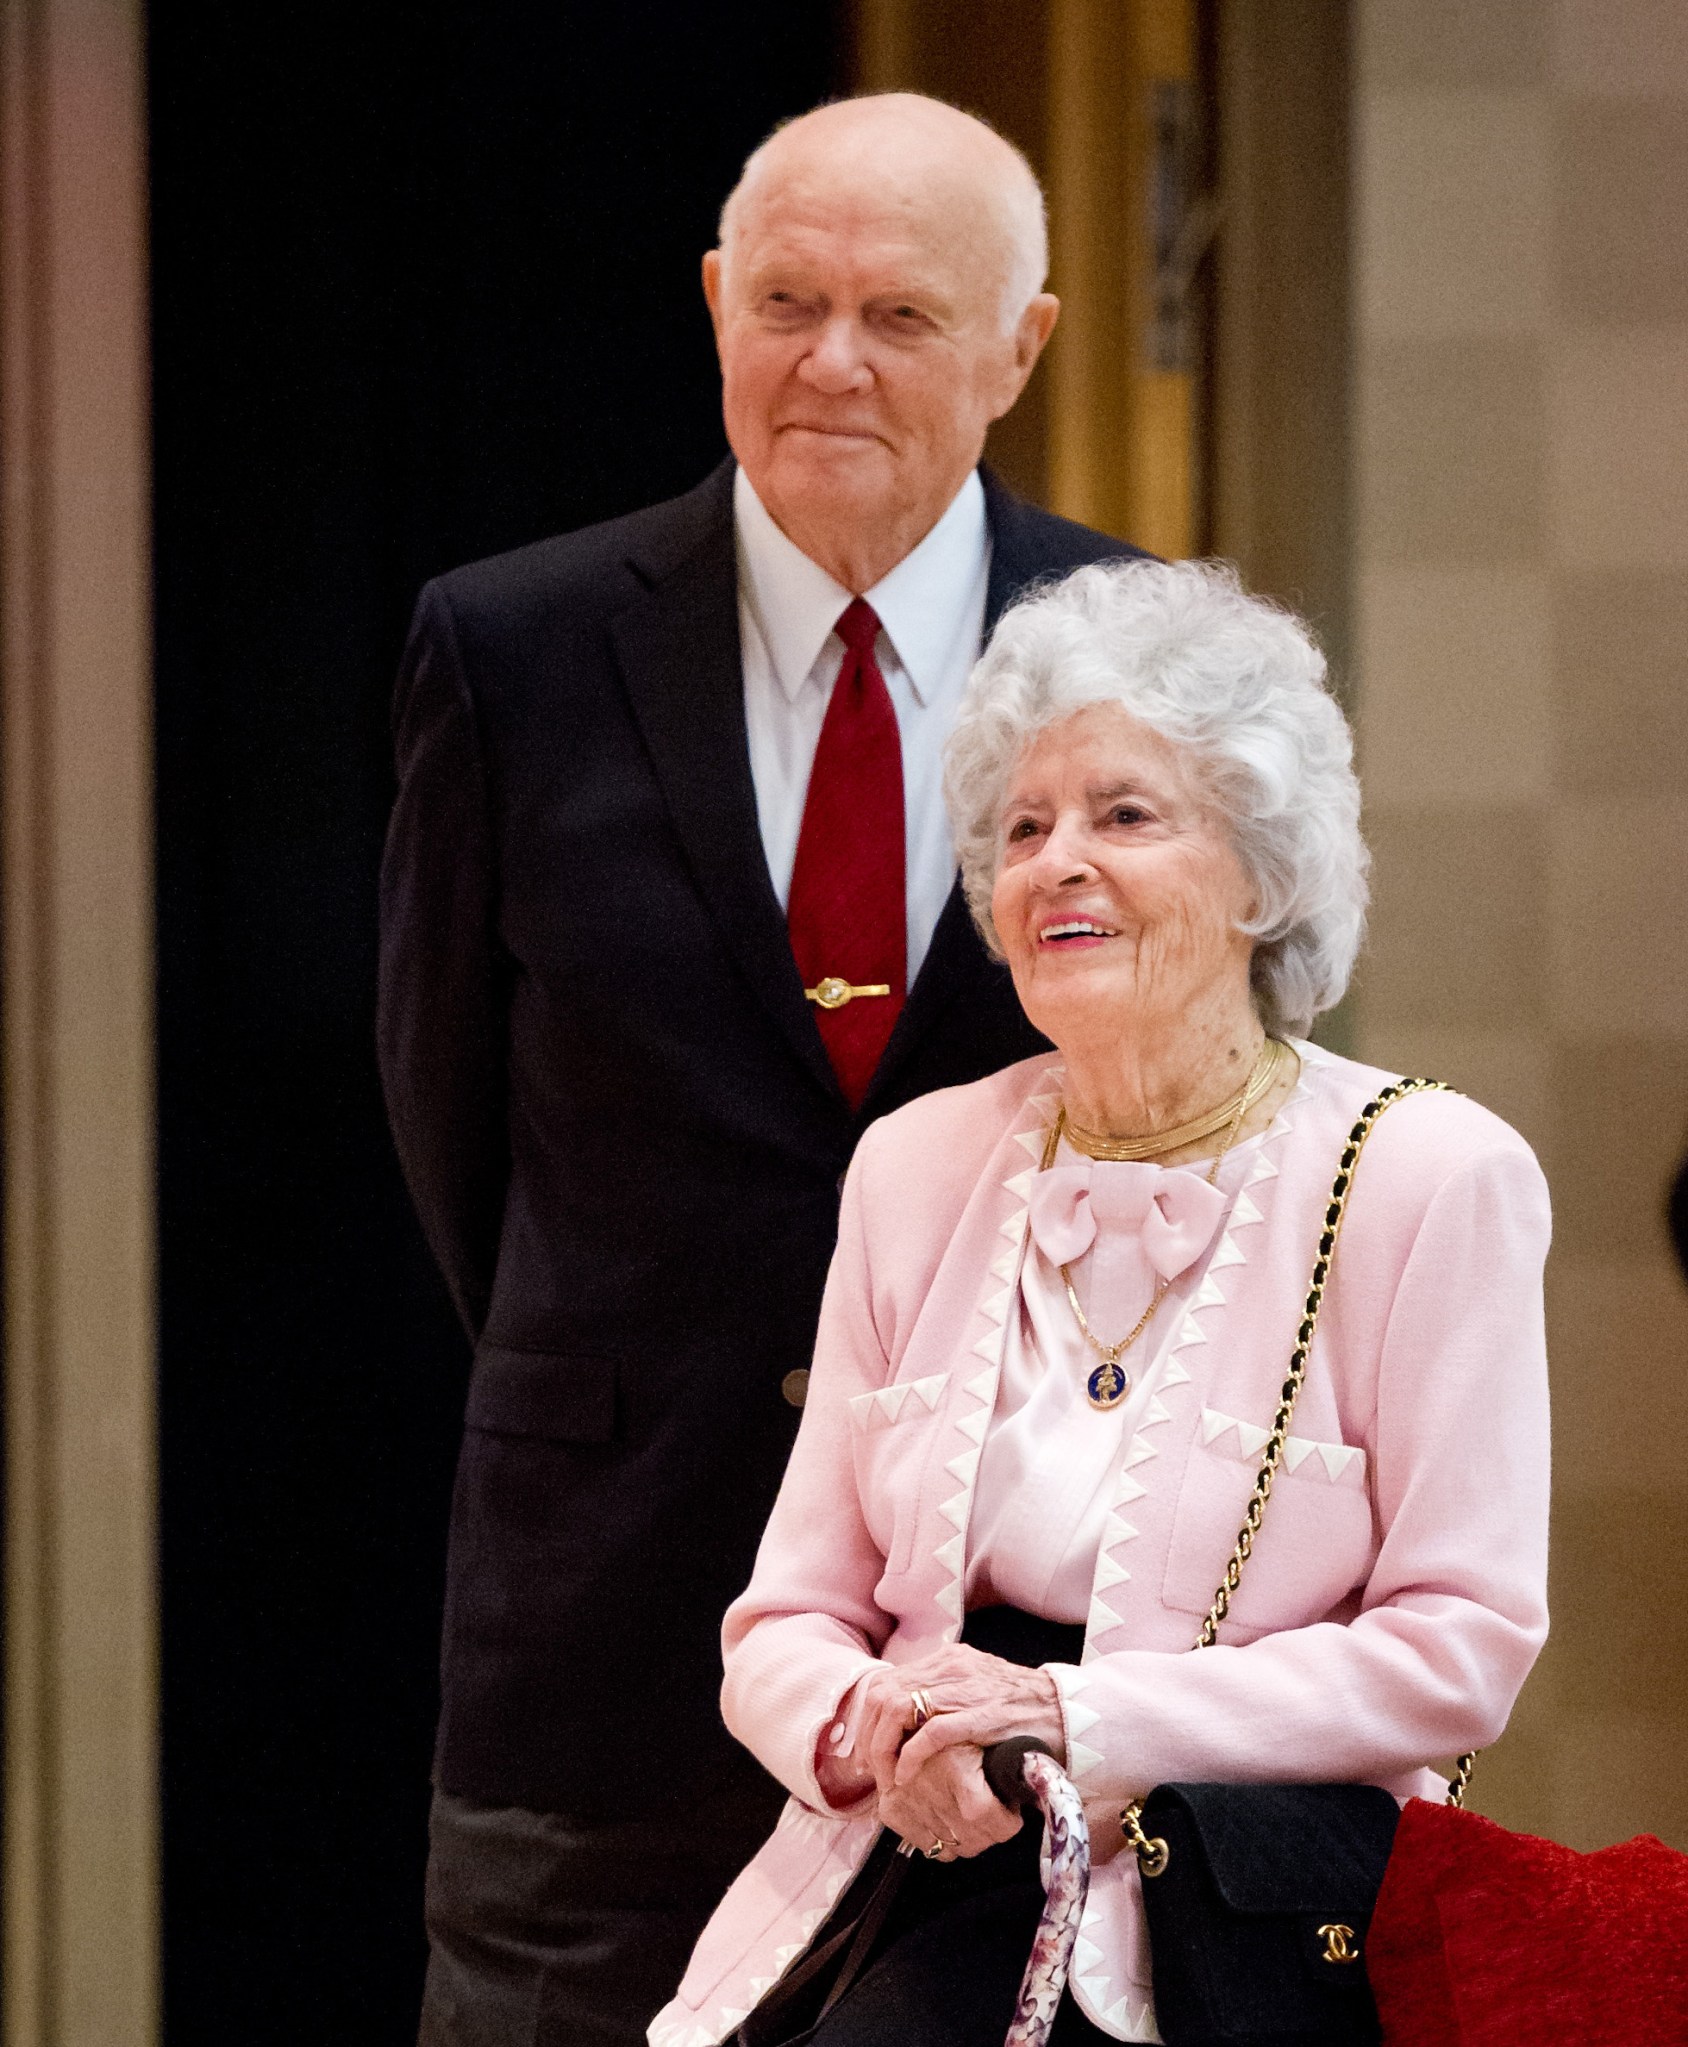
(1117, 895)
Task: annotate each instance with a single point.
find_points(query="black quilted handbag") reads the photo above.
(1258, 1920)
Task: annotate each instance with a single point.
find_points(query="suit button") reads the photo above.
(795, 1386)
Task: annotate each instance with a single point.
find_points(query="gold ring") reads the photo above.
(936, 1852)
(922, 1704)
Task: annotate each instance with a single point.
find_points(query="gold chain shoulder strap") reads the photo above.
(1296, 1377)
(1152, 1853)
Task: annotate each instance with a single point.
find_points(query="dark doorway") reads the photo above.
(425, 287)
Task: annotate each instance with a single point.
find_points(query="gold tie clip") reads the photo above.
(833, 993)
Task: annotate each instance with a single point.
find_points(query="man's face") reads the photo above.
(859, 316)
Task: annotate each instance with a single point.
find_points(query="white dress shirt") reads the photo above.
(931, 611)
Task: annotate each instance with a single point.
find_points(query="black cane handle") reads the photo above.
(1004, 1765)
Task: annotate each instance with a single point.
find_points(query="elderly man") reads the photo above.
(669, 914)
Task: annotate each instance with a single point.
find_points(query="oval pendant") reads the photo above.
(1108, 1385)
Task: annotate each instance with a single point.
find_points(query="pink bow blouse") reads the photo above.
(1042, 1497)
(1143, 1222)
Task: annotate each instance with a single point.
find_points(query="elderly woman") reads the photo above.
(1056, 1328)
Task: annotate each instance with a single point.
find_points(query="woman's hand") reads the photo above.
(991, 1703)
(973, 1700)
(948, 1806)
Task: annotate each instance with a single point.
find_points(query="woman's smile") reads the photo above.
(1110, 850)
(1075, 934)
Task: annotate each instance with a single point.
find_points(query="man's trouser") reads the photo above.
(546, 1934)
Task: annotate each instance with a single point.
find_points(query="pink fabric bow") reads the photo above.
(1145, 1223)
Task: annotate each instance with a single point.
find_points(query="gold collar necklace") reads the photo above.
(1158, 1143)
(1110, 1382)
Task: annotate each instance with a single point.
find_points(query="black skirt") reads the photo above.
(947, 1967)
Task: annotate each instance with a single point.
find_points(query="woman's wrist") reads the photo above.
(842, 1771)
(1050, 1709)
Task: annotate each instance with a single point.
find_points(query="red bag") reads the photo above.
(1485, 1938)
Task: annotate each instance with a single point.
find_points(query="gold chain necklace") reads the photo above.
(1110, 1382)
(1095, 1145)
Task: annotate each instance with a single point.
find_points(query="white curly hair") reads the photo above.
(1237, 682)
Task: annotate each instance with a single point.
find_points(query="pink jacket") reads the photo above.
(1396, 1598)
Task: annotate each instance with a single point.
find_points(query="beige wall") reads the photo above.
(1520, 584)
(80, 1857)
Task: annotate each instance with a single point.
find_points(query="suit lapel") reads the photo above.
(678, 646)
(1012, 563)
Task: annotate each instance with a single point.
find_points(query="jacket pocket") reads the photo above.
(1316, 1545)
(910, 1398)
(557, 1396)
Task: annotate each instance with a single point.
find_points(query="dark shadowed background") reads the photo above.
(425, 287)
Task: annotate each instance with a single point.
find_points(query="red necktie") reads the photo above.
(847, 914)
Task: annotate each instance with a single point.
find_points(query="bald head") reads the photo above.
(909, 155)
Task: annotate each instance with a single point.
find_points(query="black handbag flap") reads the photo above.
(1317, 1848)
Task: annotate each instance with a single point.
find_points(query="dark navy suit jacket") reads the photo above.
(619, 1125)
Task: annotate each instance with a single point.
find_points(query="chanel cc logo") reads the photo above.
(1341, 1945)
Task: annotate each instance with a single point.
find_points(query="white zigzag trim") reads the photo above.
(680, 2033)
(884, 1406)
(974, 1424)
(964, 1468)
(1138, 2023)
(1251, 1438)
(1081, 1760)
(951, 1554)
(1101, 1619)
(1245, 1213)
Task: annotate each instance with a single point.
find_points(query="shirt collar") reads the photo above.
(922, 603)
